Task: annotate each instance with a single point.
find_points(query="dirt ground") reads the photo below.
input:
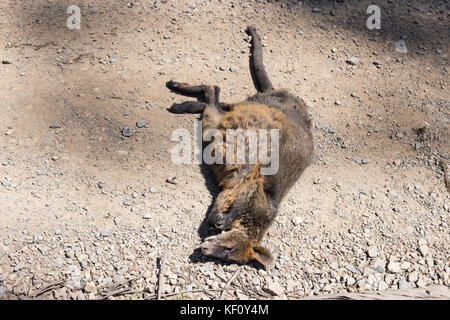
(85, 206)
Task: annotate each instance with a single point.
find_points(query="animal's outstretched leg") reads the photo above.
(188, 107)
(208, 94)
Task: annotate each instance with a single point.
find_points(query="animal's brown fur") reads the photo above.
(248, 201)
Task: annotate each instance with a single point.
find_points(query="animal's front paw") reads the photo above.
(172, 85)
(217, 220)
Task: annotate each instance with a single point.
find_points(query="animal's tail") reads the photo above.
(259, 75)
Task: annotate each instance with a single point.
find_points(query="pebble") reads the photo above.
(126, 132)
(351, 268)
(394, 267)
(413, 276)
(273, 288)
(372, 251)
(421, 283)
(105, 233)
(89, 287)
(405, 265)
(141, 123)
(382, 285)
(146, 215)
(403, 284)
(424, 251)
(297, 220)
(352, 61)
(351, 281)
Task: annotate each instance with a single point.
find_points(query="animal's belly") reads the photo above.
(236, 148)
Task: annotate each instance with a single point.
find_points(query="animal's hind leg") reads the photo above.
(188, 107)
(208, 94)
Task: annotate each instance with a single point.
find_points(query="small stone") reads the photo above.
(146, 215)
(403, 284)
(400, 46)
(19, 266)
(89, 287)
(60, 293)
(334, 50)
(70, 254)
(351, 281)
(424, 251)
(297, 220)
(394, 267)
(352, 61)
(405, 265)
(413, 276)
(6, 183)
(351, 268)
(126, 132)
(233, 69)
(382, 285)
(421, 283)
(372, 251)
(141, 123)
(105, 233)
(273, 288)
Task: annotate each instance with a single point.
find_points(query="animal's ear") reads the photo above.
(262, 255)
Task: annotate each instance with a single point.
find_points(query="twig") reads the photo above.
(82, 55)
(229, 283)
(160, 278)
(48, 287)
(444, 168)
(40, 46)
(122, 291)
(184, 292)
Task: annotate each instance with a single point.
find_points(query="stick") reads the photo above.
(229, 283)
(184, 292)
(444, 168)
(48, 287)
(160, 278)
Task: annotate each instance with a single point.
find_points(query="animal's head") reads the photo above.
(234, 246)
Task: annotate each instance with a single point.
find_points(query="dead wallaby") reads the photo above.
(248, 201)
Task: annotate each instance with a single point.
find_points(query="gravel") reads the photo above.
(370, 213)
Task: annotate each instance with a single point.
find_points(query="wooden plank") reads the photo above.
(429, 293)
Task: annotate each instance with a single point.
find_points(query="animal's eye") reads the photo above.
(228, 250)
